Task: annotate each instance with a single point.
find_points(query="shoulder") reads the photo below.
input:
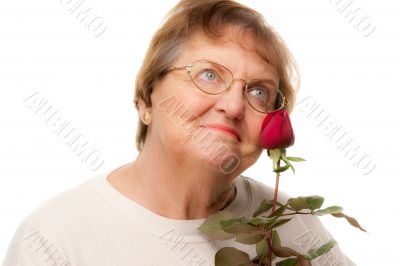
(39, 236)
(61, 206)
(64, 212)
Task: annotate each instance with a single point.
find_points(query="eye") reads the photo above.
(208, 75)
(260, 93)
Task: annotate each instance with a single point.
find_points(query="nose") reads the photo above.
(232, 101)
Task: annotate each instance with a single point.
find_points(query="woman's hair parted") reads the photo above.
(211, 16)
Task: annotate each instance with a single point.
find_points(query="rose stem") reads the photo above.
(276, 189)
(273, 209)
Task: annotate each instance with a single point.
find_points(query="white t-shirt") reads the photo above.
(93, 224)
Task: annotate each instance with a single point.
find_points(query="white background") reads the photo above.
(90, 81)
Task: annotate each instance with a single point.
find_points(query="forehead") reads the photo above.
(234, 49)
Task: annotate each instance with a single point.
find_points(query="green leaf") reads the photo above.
(277, 213)
(295, 159)
(229, 256)
(250, 238)
(275, 155)
(310, 203)
(282, 168)
(291, 167)
(314, 253)
(285, 252)
(246, 225)
(212, 226)
(278, 250)
(262, 249)
(255, 221)
(298, 203)
(229, 222)
(276, 241)
(288, 262)
(351, 220)
(242, 225)
(242, 228)
(251, 220)
(260, 220)
(278, 223)
(314, 202)
(285, 159)
(265, 206)
(329, 210)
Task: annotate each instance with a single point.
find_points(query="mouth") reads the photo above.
(224, 129)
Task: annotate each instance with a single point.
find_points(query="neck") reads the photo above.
(179, 190)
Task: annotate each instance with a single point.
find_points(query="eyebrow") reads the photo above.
(271, 81)
(268, 79)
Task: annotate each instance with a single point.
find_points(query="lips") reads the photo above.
(227, 129)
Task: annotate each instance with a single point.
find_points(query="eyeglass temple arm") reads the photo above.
(284, 104)
(177, 68)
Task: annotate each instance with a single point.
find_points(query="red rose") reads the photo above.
(276, 131)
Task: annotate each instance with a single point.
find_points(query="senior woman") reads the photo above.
(212, 73)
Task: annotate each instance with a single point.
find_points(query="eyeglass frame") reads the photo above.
(189, 68)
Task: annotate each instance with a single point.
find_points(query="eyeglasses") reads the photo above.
(213, 78)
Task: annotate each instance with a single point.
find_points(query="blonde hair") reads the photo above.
(211, 16)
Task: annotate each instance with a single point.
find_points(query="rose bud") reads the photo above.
(276, 130)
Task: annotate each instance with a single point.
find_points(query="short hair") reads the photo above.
(211, 16)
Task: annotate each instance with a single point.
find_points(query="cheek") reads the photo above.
(176, 118)
(178, 110)
(184, 97)
(252, 149)
(255, 136)
(253, 123)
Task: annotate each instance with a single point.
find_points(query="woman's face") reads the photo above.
(183, 115)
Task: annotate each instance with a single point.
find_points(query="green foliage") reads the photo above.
(275, 155)
(230, 256)
(265, 206)
(260, 229)
(262, 248)
(288, 262)
(310, 203)
(351, 220)
(296, 159)
(212, 226)
(314, 253)
(250, 238)
(329, 210)
(282, 168)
